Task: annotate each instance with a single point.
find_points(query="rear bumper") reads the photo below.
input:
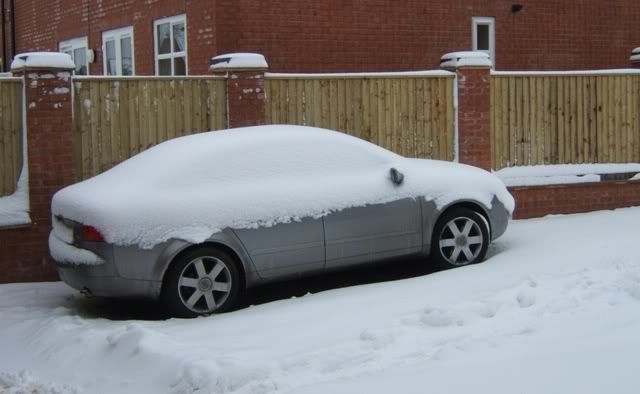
(89, 279)
(94, 270)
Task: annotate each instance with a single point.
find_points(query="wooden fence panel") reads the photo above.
(412, 115)
(10, 134)
(565, 118)
(115, 118)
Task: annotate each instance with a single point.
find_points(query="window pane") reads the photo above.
(482, 37)
(164, 67)
(110, 57)
(178, 37)
(80, 59)
(179, 66)
(164, 41)
(127, 56)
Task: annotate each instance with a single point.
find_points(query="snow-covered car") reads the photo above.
(196, 220)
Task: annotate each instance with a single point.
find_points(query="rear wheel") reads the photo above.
(460, 237)
(202, 281)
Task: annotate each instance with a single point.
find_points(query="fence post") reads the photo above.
(47, 100)
(635, 58)
(245, 87)
(473, 71)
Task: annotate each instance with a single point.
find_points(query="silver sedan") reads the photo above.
(197, 220)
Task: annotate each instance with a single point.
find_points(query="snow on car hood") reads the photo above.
(191, 187)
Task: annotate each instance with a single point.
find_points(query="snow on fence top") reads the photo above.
(42, 60)
(619, 71)
(466, 59)
(238, 60)
(402, 74)
(555, 174)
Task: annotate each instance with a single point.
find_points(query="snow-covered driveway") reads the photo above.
(555, 309)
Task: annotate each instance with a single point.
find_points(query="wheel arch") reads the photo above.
(432, 214)
(473, 205)
(173, 252)
(213, 244)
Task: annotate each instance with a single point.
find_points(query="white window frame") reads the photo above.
(116, 35)
(171, 20)
(484, 21)
(72, 45)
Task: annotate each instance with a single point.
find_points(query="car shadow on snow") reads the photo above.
(133, 309)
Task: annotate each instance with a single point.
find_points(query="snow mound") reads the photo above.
(194, 186)
(25, 383)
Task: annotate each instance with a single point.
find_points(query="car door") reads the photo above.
(285, 248)
(373, 232)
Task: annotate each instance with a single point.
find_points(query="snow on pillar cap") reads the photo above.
(635, 55)
(42, 60)
(472, 59)
(238, 61)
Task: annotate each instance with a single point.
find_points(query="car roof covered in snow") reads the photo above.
(194, 186)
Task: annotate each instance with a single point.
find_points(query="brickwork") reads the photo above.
(474, 111)
(539, 201)
(338, 35)
(246, 99)
(40, 26)
(24, 255)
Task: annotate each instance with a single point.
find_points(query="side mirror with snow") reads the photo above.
(396, 177)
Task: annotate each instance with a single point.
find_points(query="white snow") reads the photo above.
(554, 309)
(562, 173)
(466, 59)
(565, 73)
(14, 209)
(194, 186)
(401, 74)
(238, 61)
(42, 60)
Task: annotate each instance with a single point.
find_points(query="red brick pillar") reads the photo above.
(635, 58)
(24, 254)
(473, 71)
(245, 87)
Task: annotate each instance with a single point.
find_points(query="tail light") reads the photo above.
(90, 233)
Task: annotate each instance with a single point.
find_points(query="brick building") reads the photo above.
(164, 36)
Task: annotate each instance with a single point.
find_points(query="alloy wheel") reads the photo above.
(461, 241)
(204, 284)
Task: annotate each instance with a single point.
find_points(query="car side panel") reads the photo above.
(373, 232)
(133, 262)
(286, 248)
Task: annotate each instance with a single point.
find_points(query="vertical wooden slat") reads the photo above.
(540, 132)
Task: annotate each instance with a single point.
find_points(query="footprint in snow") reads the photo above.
(435, 317)
(375, 339)
(525, 299)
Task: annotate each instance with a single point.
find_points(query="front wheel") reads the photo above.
(200, 282)
(460, 237)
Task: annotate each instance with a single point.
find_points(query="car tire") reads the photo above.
(460, 237)
(200, 282)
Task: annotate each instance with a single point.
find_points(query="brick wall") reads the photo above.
(24, 255)
(539, 201)
(349, 35)
(474, 111)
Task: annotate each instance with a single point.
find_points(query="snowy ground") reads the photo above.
(555, 309)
